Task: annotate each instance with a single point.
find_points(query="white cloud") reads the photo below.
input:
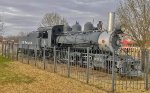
(92, 1)
(8, 24)
(20, 15)
(13, 9)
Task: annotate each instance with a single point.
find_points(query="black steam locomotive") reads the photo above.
(61, 36)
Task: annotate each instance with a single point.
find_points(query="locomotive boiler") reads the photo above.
(103, 40)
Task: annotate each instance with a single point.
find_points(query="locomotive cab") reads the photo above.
(47, 35)
(43, 36)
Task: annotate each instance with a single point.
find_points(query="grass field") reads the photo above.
(16, 77)
(8, 76)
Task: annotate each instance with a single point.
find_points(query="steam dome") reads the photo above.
(88, 26)
(76, 27)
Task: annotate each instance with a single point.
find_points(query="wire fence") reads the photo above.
(126, 69)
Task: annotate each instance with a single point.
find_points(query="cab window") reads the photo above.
(45, 34)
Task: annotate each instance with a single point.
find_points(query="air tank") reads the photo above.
(88, 26)
(76, 27)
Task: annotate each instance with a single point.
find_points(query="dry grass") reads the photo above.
(100, 79)
(8, 76)
(44, 82)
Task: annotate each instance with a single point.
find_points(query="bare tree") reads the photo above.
(51, 19)
(134, 16)
(22, 34)
(14, 38)
(1, 26)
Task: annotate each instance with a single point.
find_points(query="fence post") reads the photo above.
(22, 53)
(2, 48)
(55, 62)
(113, 73)
(88, 63)
(17, 51)
(5, 49)
(68, 61)
(35, 51)
(28, 52)
(8, 49)
(12, 51)
(146, 69)
(44, 50)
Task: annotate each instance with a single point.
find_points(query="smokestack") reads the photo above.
(111, 21)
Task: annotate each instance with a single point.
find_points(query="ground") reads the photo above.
(16, 77)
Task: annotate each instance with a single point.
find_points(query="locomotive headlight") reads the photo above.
(118, 42)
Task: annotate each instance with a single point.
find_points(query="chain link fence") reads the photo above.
(118, 71)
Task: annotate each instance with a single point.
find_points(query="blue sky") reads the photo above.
(25, 15)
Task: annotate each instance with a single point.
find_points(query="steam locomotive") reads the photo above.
(61, 36)
(105, 43)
